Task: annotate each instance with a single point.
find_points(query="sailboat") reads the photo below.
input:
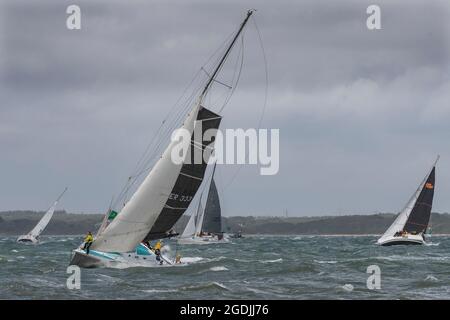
(411, 224)
(163, 196)
(205, 227)
(33, 236)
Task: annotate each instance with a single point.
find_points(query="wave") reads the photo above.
(191, 259)
(271, 261)
(219, 268)
(160, 290)
(325, 261)
(348, 287)
(410, 258)
(431, 278)
(208, 285)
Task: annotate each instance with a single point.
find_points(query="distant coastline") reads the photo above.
(63, 223)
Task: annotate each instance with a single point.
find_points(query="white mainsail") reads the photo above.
(42, 224)
(138, 216)
(401, 220)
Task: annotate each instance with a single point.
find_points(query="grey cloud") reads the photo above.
(361, 113)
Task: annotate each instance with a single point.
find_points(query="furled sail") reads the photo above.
(415, 216)
(212, 222)
(42, 224)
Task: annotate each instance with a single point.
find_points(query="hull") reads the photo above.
(99, 259)
(202, 240)
(27, 239)
(406, 240)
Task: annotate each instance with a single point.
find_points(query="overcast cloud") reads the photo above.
(362, 114)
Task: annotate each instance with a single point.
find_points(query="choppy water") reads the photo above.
(261, 267)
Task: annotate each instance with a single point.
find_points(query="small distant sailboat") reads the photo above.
(206, 225)
(163, 196)
(33, 236)
(411, 224)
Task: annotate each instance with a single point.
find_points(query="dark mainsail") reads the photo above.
(190, 178)
(212, 222)
(420, 215)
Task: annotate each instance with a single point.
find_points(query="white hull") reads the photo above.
(401, 240)
(99, 259)
(27, 239)
(202, 240)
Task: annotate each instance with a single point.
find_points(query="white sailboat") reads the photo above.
(205, 227)
(411, 224)
(163, 196)
(33, 236)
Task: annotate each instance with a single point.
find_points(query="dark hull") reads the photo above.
(407, 243)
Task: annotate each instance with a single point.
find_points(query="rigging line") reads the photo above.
(128, 185)
(143, 163)
(238, 74)
(158, 136)
(265, 93)
(166, 117)
(195, 77)
(162, 137)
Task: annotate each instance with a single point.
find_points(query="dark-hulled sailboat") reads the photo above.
(411, 224)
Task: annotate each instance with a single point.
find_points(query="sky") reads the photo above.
(362, 113)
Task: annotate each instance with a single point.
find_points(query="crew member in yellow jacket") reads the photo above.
(88, 242)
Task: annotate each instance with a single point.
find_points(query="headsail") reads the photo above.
(42, 224)
(189, 230)
(415, 216)
(212, 221)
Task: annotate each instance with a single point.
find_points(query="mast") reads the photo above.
(211, 79)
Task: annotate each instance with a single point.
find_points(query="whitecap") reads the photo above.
(326, 261)
(218, 268)
(14, 250)
(271, 261)
(348, 287)
(431, 278)
(218, 284)
(191, 259)
(159, 290)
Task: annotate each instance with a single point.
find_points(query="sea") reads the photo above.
(252, 267)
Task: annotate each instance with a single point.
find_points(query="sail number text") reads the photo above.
(181, 198)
